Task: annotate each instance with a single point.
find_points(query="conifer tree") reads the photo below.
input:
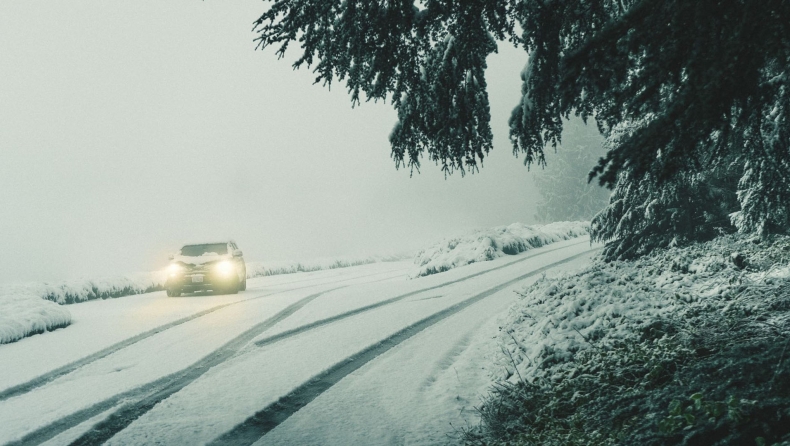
(647, 214)
(707, 81)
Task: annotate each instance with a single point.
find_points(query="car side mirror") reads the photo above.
(171, 257)
(237, 253)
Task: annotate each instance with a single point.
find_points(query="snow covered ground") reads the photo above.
(639, 352)
(21, 314)
(608, 302)
(198, 368)
(35, 307)
(421, 392)
(488, 244)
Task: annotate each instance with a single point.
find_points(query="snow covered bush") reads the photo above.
(75, 291)
(489, 244)
(685, 346)
(23, 315)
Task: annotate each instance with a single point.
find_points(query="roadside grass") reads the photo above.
(91, 291)
(261, 269)
(692, 347)
(491, 243)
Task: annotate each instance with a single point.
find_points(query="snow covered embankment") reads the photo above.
(706, 324)
(618, 301)
(488, 244)
(23, 315)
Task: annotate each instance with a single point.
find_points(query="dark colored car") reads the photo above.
(217, 267)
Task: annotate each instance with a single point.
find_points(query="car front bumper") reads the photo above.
(191, 282)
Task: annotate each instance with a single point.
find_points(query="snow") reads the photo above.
(21, 315)
(422, 392)
(24, 314)
(74, 291)
(231, 391)
(259, 269)
(81, 290)
(488, 244)
(417, 371)
(201, 259)
(99, 324)
(555, 318)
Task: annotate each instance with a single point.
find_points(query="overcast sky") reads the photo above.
(129, 127)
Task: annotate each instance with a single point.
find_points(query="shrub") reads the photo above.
(711, 369)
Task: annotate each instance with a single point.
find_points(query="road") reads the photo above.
(358, 355)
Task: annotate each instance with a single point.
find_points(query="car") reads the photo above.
(217, 267)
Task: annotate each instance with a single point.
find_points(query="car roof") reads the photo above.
(215, 242)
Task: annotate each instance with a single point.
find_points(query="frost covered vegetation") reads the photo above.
(684, 346)
(260, 269)
(75, 291)
(489, 244)
(31, 308)
(24, 314)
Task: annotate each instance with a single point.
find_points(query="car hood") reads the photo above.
(200, 260)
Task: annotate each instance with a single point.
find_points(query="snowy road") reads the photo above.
(357, 355)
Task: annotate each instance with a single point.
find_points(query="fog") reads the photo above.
(130, 127)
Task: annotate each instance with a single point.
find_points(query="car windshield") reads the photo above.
(199, 250)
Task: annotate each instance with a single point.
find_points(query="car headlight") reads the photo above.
(225, 267)
(175, 269)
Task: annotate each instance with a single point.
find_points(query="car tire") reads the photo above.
(172, 292)
(243, 286)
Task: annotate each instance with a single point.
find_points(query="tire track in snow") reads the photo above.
(256, 426)
(146, 396)
(48, 377)
(143, 396)
(298, 330)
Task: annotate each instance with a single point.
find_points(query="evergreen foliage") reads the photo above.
(430, 61)
(702, 86)
(565, 193)
(644, 213)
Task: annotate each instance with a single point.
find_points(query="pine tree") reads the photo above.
(707, 81)
(648, 214)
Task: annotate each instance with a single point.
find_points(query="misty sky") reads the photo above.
(129, 127)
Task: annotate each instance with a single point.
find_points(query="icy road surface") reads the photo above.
(358, 355)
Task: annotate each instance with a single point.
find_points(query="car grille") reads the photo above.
(199, 269)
